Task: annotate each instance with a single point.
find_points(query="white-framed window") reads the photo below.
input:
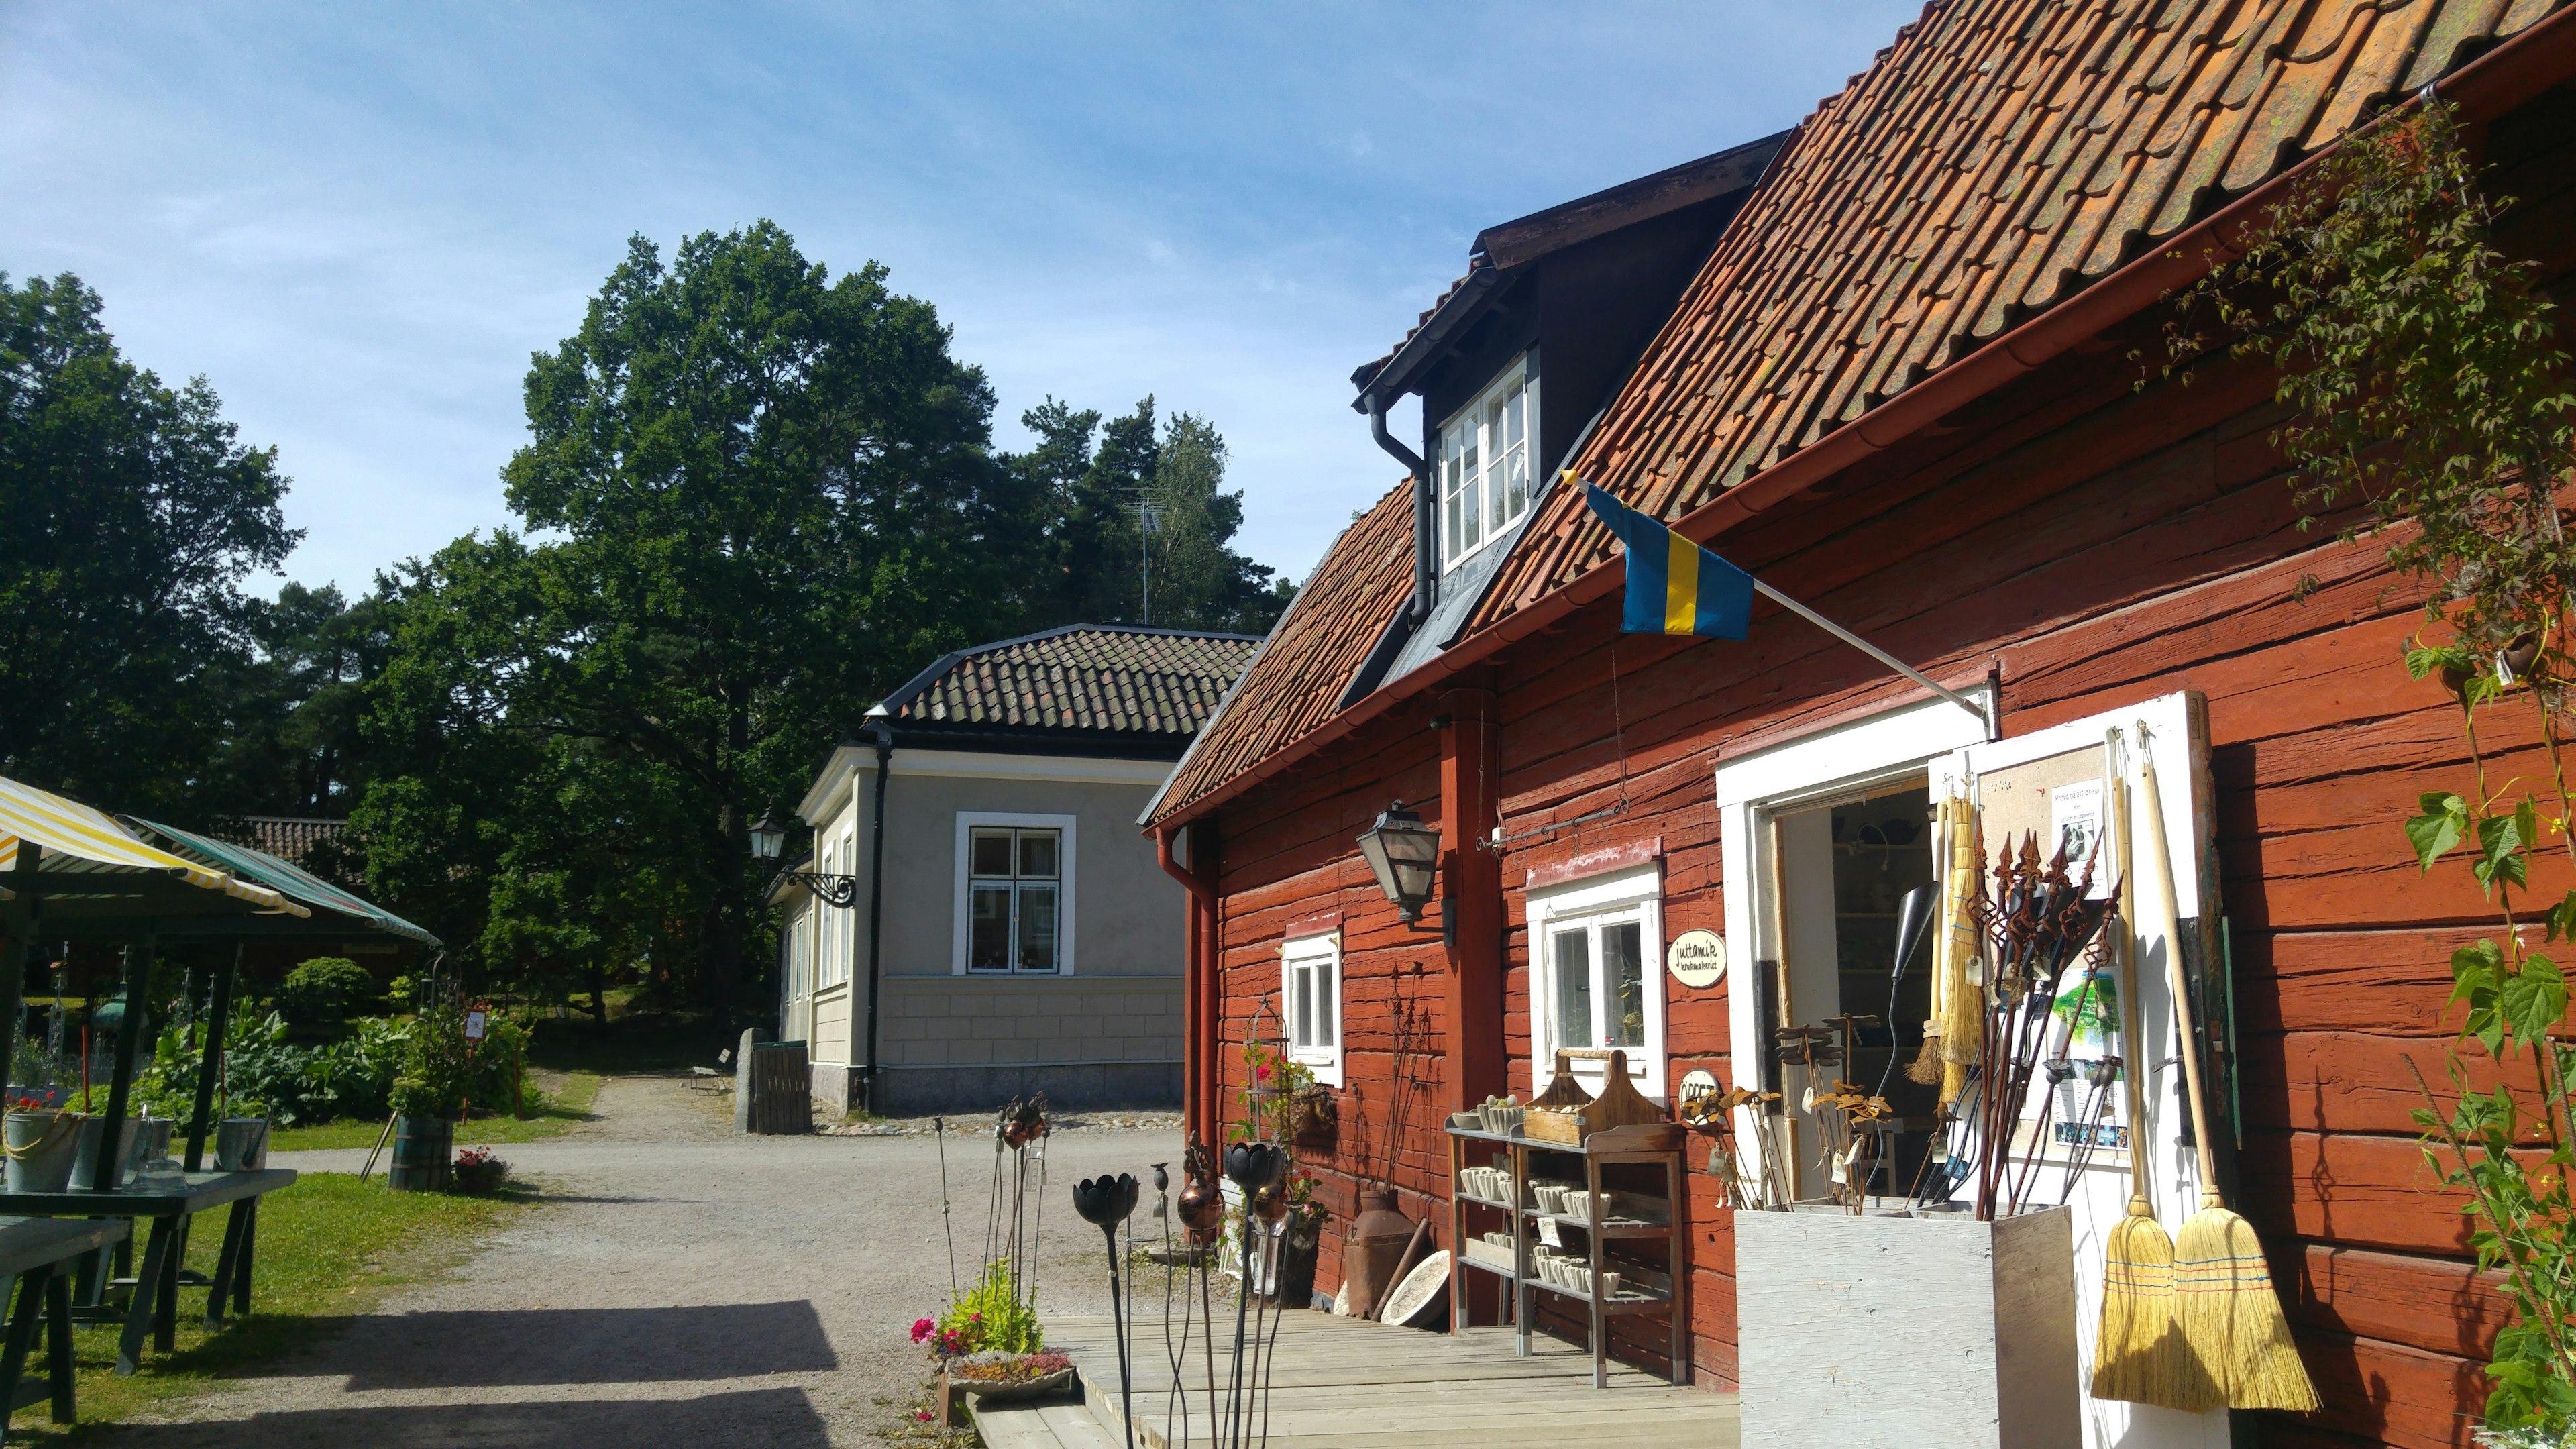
(1485, 463)
(836, 939)
(1311, 986)
(1015, 884)
(1596, 978)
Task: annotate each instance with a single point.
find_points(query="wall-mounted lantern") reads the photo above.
(768, 837)
(1402, 853)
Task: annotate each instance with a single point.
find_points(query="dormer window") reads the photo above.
(1485, 463)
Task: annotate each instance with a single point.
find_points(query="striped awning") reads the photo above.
(76, 837)
(292, 880)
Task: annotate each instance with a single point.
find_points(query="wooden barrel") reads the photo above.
(424, 1154)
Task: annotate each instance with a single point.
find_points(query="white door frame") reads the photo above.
(1892, 745)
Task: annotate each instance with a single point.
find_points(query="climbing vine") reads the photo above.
(2429, 404)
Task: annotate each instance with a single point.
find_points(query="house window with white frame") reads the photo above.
(1596, 946)
(1015, 902)
(1485, 463)
(1311, 985)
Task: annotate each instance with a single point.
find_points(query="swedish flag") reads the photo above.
(1674, 585)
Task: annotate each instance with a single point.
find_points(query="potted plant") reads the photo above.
(427, 1097)
(1301, 1236)
(985, 1343)
(43, 1142)
(478, 1172)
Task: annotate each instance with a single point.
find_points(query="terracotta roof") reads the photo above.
(1994, 161)
(290, 838)
(1311, 654)
(1091, 677)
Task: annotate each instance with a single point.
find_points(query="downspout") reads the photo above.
(1426, 573)
(1195, 1062)
(876, 897)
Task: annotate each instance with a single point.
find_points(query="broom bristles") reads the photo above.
(2231, 1316)
(2140, 1356)
(1925, 1069)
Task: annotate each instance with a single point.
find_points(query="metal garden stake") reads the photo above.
(1105, 1202)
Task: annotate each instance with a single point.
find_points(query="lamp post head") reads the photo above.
(768, 836)
(1402, 853)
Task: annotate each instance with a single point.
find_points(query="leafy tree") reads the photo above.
(766, 496)
(130, 512)
(1096, 475)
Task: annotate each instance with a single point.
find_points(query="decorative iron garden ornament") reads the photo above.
(1105, 1202)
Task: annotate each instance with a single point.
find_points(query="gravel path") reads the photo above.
(682, 1286)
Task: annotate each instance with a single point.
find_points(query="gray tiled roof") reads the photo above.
(1091, 677)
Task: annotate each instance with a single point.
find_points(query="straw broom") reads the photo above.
(2222, 1286)
(2139, 1355)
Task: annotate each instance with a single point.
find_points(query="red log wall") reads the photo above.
(2105, 545)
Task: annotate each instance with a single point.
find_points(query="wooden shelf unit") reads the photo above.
(1658, 1143)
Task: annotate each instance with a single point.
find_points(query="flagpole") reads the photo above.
(1872, 650)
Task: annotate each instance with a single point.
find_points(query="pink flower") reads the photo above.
(922, 1328)
(1262, 1072)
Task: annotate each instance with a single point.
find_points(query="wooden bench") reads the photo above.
(156, 1283)
(39, 1255)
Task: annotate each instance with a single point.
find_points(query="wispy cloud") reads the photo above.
(361, 226)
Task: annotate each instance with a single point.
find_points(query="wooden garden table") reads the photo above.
(156, 1281)
(38, 1253)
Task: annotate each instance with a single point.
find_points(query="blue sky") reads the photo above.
(359, 224)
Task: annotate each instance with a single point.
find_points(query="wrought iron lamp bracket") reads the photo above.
(832, 890)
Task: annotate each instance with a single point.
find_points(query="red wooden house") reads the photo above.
(1899, 381)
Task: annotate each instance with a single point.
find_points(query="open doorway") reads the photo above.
(1844, 868)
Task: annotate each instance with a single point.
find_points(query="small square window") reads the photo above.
(992, 852)
(1312, 996)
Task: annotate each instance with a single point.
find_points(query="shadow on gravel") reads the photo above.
(522, 1348)
(784, 1418)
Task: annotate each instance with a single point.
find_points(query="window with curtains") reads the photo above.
(1311, 985)
(1485, 462)
(1015, 881)
(1596, 953)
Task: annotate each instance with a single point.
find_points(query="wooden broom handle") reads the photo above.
(2180, 983)
(2133, 1017)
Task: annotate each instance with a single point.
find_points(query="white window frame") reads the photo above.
(1489, 476)
(1324, 952)
(1636, 894)
(963, 921)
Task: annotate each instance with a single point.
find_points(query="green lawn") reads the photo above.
(330, 1248)
(569, 1103)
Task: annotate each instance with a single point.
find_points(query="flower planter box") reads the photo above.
(1931, 1332)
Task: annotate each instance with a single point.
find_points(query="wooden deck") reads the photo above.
(1348, 1381)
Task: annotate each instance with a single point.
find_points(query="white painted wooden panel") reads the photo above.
(1906, 1333)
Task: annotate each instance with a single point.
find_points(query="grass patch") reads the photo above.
(568, 1104)
(330, 1249)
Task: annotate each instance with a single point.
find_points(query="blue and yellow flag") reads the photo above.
(1674, 585)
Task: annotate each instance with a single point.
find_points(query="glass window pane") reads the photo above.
(990, 853)
(1328, 991)
(1623, 983)
(1301, 1011)
(1573, 964)
(1037, 854)
(988, 941)
(1471, 481)
(1037, 928)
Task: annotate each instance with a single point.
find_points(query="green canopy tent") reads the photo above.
(334, 913)
(75, 872)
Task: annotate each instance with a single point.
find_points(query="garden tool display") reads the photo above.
(1106, 1202)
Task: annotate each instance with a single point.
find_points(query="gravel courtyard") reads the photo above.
(682, 1286)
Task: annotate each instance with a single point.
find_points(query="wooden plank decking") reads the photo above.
(1350, 1381)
